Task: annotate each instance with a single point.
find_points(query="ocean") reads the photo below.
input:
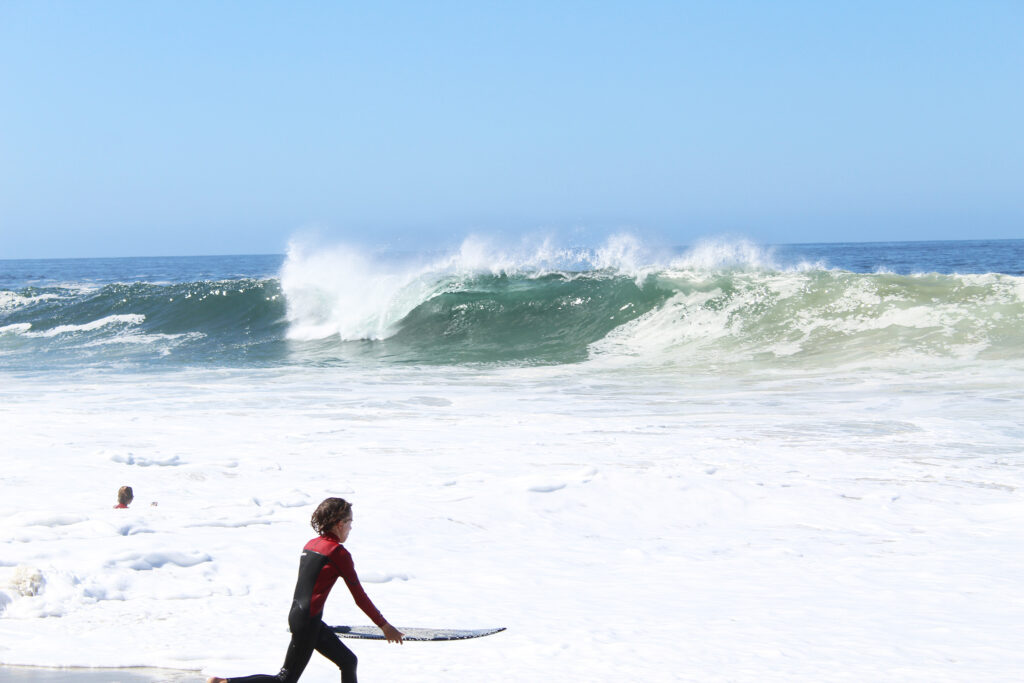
(734, 302)
(719, 462)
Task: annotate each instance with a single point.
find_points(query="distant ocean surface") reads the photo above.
(720, 303)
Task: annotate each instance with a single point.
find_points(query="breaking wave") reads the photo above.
(715, 305)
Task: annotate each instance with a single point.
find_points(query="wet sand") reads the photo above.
(27, 674)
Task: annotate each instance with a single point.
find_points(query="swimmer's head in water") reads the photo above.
(125, 495)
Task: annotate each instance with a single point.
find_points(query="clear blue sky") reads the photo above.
(162, 128)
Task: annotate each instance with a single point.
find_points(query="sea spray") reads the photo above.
(343, 292)
(717, 255)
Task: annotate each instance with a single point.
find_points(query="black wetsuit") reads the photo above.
(323, 560)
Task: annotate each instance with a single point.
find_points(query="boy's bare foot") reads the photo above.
(214, 679)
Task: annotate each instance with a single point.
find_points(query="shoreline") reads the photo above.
(132, 674)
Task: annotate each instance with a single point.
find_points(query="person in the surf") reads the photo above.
(124, 497)
(323, 560)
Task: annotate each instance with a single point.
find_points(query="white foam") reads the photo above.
(171, 340)
(15, 328)
(129, 319)
(155, 560)
(773, 526)
(27, 581)
(131, 459)
(10, 300)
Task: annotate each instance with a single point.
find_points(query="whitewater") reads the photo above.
(720, 463)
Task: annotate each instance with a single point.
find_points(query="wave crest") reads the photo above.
(356, 295)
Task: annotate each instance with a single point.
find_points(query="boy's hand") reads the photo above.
(392, 634)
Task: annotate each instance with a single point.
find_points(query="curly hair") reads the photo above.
(125, 495)
(329, 513)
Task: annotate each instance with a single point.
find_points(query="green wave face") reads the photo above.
(551, 319)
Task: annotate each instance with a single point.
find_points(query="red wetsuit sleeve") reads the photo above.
(343, 561)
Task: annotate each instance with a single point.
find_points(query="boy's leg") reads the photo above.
(300, 649)
(330, 646)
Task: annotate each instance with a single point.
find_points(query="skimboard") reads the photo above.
(374, 633)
